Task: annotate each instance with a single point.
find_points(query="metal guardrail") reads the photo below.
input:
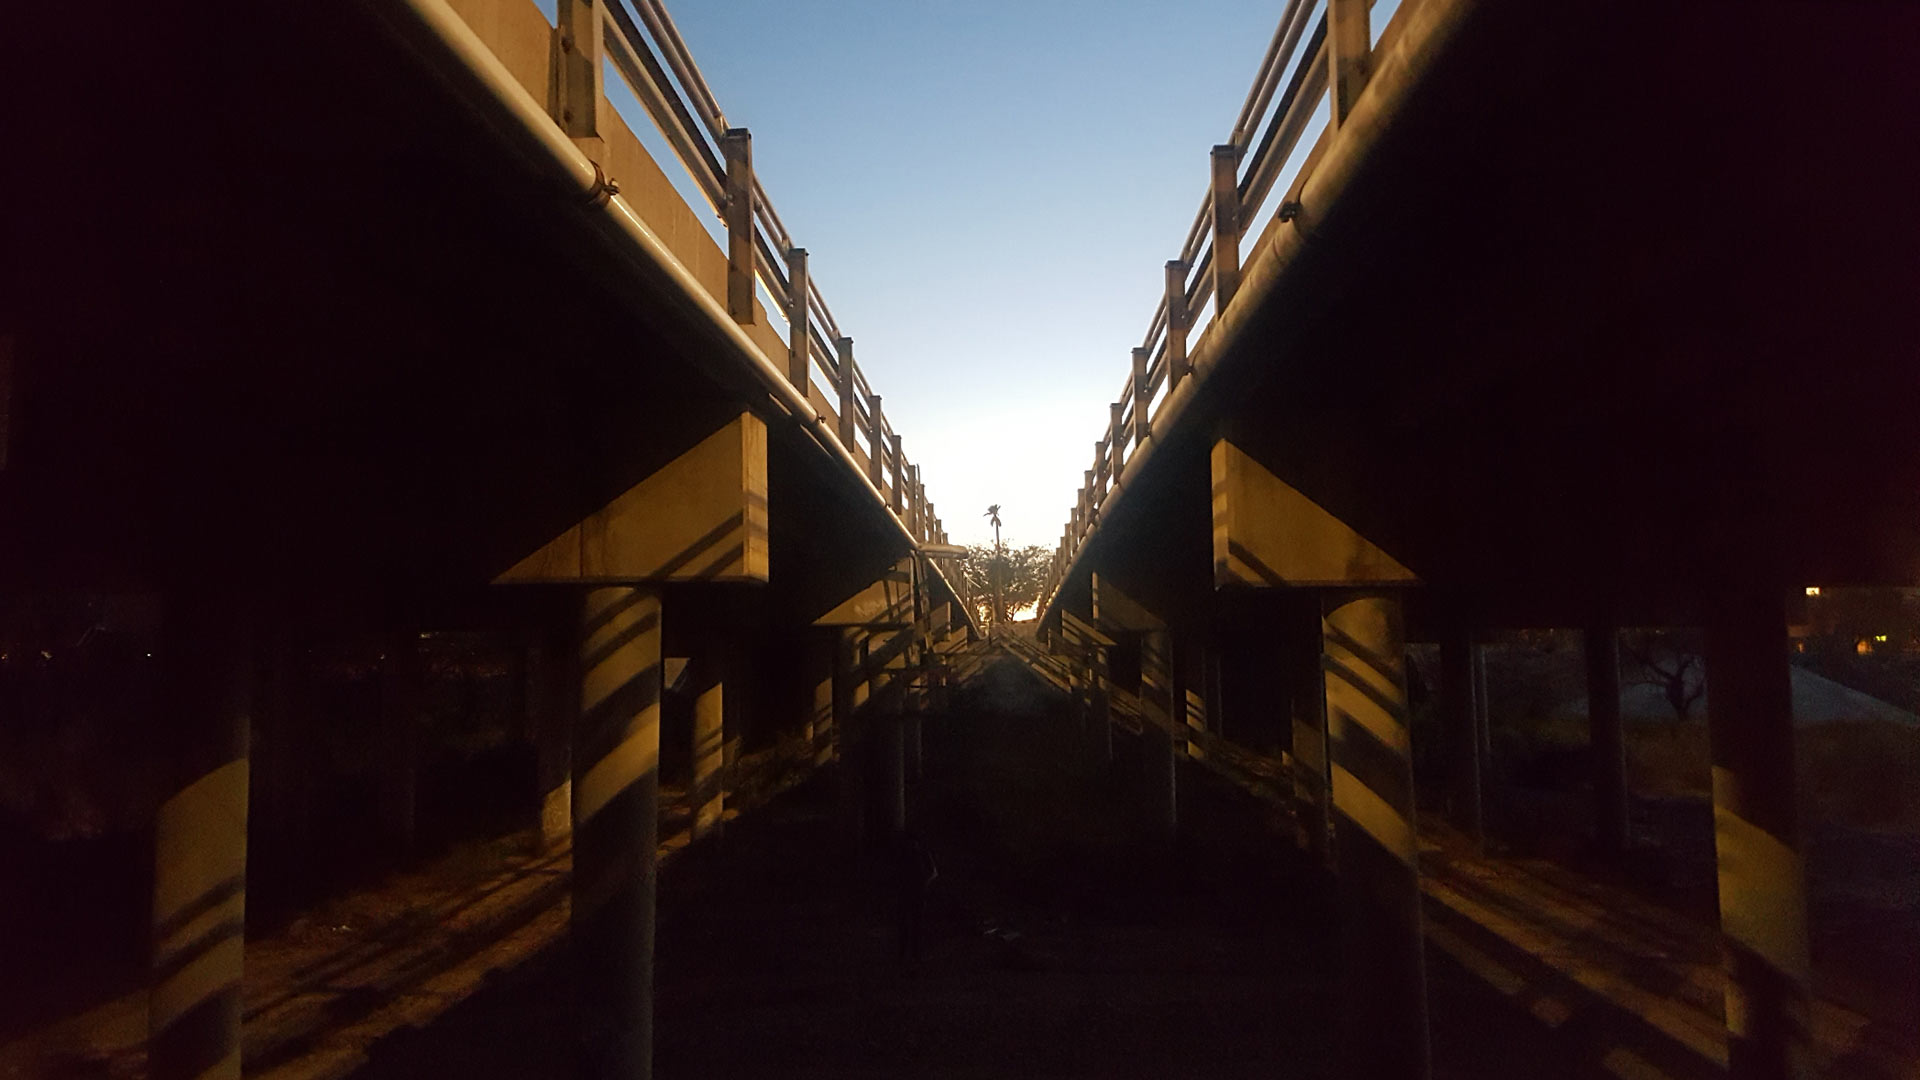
(649, 55)
(1310, 60)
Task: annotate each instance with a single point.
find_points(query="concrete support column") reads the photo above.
(1102, 707)
(401, 685)
(1098, 731)
(917, 704)
(706, 790)
(616, 795)
(1376, 850)
(1162, 776)
(281, 755)
(851, 738)
(1606, 739)
(884, 718)
(1186, 697)
(1460, 722)
(200, 845)
(893, 778)
(820, 732)
(1763, 896)
(1302, 662)
(552, 688)
(1159, 700)
(1079, 697)
(1481, 723)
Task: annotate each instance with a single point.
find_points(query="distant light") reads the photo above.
(149, 656)
(1813, 590)
(45, 655)
(1882, 638)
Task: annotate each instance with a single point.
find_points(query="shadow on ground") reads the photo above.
(1060, 941)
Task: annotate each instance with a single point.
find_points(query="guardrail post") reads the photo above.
(1350, 51)
(899, 466)
(799, 341)
(1142, 399)
(737, 147)
(1226, 225)
(1179, 321)
(843, 382)
(1092, 489)
(575, 90)
(913, 503)
(876, 444)
(1116, 440)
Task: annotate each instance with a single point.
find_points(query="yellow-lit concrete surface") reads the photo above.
(1647, 984)
(1267, 533)
(321, 991)
(703, 517)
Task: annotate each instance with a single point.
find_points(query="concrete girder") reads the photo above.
(1267, 533)
(702, 517)
(888, 601)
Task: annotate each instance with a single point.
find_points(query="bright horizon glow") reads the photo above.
(988, 193)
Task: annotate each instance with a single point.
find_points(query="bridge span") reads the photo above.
(1573, 315)
(371, 334)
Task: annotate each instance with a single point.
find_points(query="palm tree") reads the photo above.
(994, 513)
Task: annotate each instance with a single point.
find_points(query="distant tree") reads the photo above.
(1017, 572)
(1670, 660)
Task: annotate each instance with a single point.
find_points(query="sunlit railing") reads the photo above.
(1286, 101)
(645, 49)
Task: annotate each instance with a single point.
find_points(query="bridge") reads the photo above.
(1551, 326)
(357, 345)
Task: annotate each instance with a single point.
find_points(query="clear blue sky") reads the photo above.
(989, 191)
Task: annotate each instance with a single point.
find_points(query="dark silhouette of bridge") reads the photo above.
(1573, 316)
(336, 334)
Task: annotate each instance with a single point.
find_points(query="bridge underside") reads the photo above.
(1618, 311)
(299, 318)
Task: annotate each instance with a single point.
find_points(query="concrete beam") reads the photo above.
(702, 517)
(1115, 610)
(1266, 533)
(887, 602)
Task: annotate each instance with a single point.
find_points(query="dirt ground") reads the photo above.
(1059, 942)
